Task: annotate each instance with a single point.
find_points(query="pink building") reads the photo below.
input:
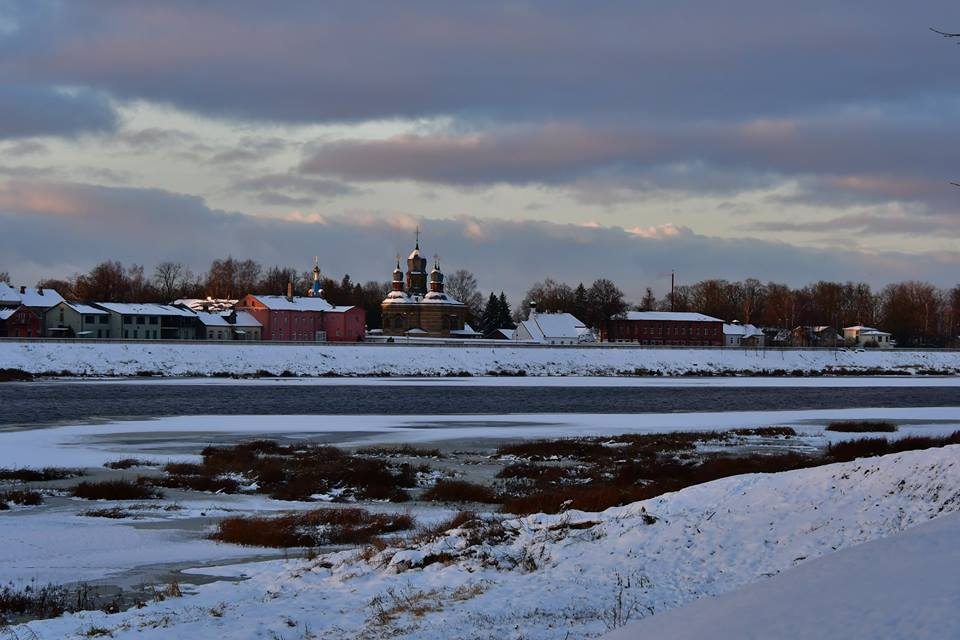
(304, 318)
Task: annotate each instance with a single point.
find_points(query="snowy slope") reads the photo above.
(904, 586)
(573, 575)
(383, 359)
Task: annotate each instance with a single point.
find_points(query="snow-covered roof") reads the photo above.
(9, 294)
(399, 297)
(298, 303)
(670, 316)
(340, 309)
(208, 304)
(6, 313)
(31, 297)
(745, 330)
(874, 332)
(212, 319)
(85, 309)
(506, 333)
(145, 309)
(467, 331)
(244, 319)
(554, 325)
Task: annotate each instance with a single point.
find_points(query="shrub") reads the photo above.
(868, 447)
(862, 426)
(127, 463)
(114, 513)
(22, 497)
(51, 601)
(406, 450)
(460, 491)
(15, 375)
(39, 475)
(116, 490)
(432, 532)
(310, 528)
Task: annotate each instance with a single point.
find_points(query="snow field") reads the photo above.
(170, 359)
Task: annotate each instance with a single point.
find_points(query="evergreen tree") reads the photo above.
(489, 319)
(504, 318)
(581, 305)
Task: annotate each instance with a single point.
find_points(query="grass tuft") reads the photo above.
(116, 490)
(310, 528)
(862, 426)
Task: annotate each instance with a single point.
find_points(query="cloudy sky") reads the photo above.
(574, 140)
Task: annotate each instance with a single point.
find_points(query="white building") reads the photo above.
(862, 336)
(229, 325)
(742, 335)
(553, 328)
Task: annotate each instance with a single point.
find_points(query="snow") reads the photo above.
(297, 303)
(551, 326)
(563, 575)
(6, 313)
(145, 309)
(904, 586)
(31, 297)
(672, 316)
(212, 319)
(86, 309)
(359, 359)
(91, 445)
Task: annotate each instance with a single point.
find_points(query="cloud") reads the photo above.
(29, 110)
(308, 61)
(53, 227)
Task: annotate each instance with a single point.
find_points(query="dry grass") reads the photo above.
(431, 533)
(399, 450)
(33, 602)
(39, 475)
(295, 472)
(862, 426)
(460, 491)
(21, 497)
(128, 463)
(114, 513)
(868, 447)
(116, 490)
(310, 528)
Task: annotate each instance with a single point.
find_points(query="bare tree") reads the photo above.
(4, 277)
(168, 278)
(462, 285)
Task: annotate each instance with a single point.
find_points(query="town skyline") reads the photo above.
(658, 148)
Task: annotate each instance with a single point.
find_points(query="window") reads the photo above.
(104, 319)
(126, 334)
(140, 320)
(87, 319)
(153, 319)
(127, 320)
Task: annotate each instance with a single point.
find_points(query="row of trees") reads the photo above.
(916, 313)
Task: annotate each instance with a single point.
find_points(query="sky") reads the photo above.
(753, 138)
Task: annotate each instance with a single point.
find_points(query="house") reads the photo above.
(862, 336)
(416, 307)
(681, 328)
(308, 318)
(21, 322)
(742, 335)
(231, 325)
(149, 321)
(38, 301)
(552, 328)
(76, 320)
(503, 334)
(211, 305)
(815, 336)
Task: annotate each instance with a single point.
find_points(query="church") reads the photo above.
(419, 307)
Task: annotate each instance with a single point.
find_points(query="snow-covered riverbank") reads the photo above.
(169, 359)
(572, 575)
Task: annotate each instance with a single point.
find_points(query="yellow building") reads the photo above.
(418, 307)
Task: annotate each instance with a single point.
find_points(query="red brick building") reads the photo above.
(22, 322)
(304, 318)
(664, 328)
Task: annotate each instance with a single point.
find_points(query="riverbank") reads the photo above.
(261, 360)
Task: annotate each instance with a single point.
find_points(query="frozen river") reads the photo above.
(59, 401)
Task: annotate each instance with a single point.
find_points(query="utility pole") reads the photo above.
(673, 293)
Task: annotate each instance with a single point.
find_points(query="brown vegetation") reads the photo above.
(862, 426)
(127, 463)
(293, 472)
(869, 447)
(460, 491)
(116, 490)
(310, 528)
(405, 450)
(39, 475)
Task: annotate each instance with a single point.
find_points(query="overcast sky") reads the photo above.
(574, 140)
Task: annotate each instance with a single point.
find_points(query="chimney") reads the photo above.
(533, 310)
(289, 291)
(23, 291)
(40, 290)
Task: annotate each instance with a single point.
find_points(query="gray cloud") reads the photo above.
(28, 110)
(87, 224)
(308, 61)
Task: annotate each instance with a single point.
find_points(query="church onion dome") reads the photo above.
(396, 295)
(435, 295)
(414, 254)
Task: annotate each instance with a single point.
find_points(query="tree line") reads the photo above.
(916, 313)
